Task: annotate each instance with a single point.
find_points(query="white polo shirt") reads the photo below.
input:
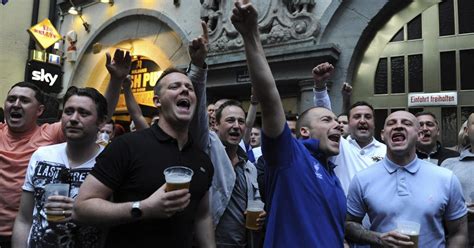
(352, 159)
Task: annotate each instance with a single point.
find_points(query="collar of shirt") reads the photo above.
(466, 155)
(354, 142)
(391, 167)
(432, 153)
(313, 147)
(164, 137)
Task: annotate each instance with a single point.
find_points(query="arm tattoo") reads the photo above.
(356, 233)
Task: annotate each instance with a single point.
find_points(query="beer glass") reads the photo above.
(411, 229)
(178, 177)
(55, 189)
(254, 209)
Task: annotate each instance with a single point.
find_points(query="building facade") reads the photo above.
(387, 50)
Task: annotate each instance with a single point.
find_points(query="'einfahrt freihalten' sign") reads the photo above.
(433, 99)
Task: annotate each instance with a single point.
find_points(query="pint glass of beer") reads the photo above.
(411, 229)
(254, 209)
(178, 177)
(55, 189)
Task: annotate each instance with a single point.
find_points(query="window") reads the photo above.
(414, 28)
(398, 74)
(466, 14)
(446, 18)
(448, 71)
(415, 73)
(380, 85)
(467, 69)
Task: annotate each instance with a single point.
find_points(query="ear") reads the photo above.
(304, 132)
(381, 135)
(40, 110)
(156, 101)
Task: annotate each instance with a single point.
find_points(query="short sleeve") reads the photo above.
(55, 132)
(456, 206)
(28, 184)
(355, 199)
(279, 150)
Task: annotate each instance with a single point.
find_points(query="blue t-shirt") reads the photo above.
(307, 205)
(419, 191)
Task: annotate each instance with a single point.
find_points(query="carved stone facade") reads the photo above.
(281, 21)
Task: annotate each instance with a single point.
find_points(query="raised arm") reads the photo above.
(118, 68)
(244, 19)
(250, 120)
(203, 224)
(346, 93)
(321, 73)
(132, 106)
(198, 74)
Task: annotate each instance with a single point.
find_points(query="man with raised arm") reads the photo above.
(402, 187)
(307, 203)
(20, 136)
(360, 149)
(130, 170)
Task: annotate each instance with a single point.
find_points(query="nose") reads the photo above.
(74, 117)
(339, 125)
(235, 123)
(17, 102)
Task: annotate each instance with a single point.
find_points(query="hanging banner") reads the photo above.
(144, 74)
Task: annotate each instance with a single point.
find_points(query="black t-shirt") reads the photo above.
(441, 154)
(132, 166)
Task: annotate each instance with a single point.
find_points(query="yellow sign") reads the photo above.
(44, 33)
(144, 74)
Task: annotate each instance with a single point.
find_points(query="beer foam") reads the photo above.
(177, 178)
(254, 209)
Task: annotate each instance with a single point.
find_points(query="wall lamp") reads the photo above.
(111, 2)
(78, 11)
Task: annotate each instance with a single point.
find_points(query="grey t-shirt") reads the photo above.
(463, 168)
(231, 232)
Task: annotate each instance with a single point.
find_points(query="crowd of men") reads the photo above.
(324, 179)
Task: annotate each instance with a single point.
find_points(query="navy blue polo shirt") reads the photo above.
(307, 205)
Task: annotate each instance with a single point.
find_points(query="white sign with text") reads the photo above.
(433, 99)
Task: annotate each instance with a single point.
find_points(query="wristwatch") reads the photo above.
(136, 212)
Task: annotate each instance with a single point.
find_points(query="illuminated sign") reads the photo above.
(44, 33)
(144, 74)
(433, 99)
(46, 76)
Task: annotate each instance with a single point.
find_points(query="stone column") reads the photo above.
(306, 95)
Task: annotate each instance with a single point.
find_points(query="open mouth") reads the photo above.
(363, 128)
(15, 115)
(334, 137)
(234, 134)
(398, 137)
(184, 103)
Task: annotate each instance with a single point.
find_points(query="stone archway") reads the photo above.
(142, 32)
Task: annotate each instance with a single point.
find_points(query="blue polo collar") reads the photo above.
(313, 147)
(391, 167)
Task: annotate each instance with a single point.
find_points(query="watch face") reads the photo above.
(136, 212)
